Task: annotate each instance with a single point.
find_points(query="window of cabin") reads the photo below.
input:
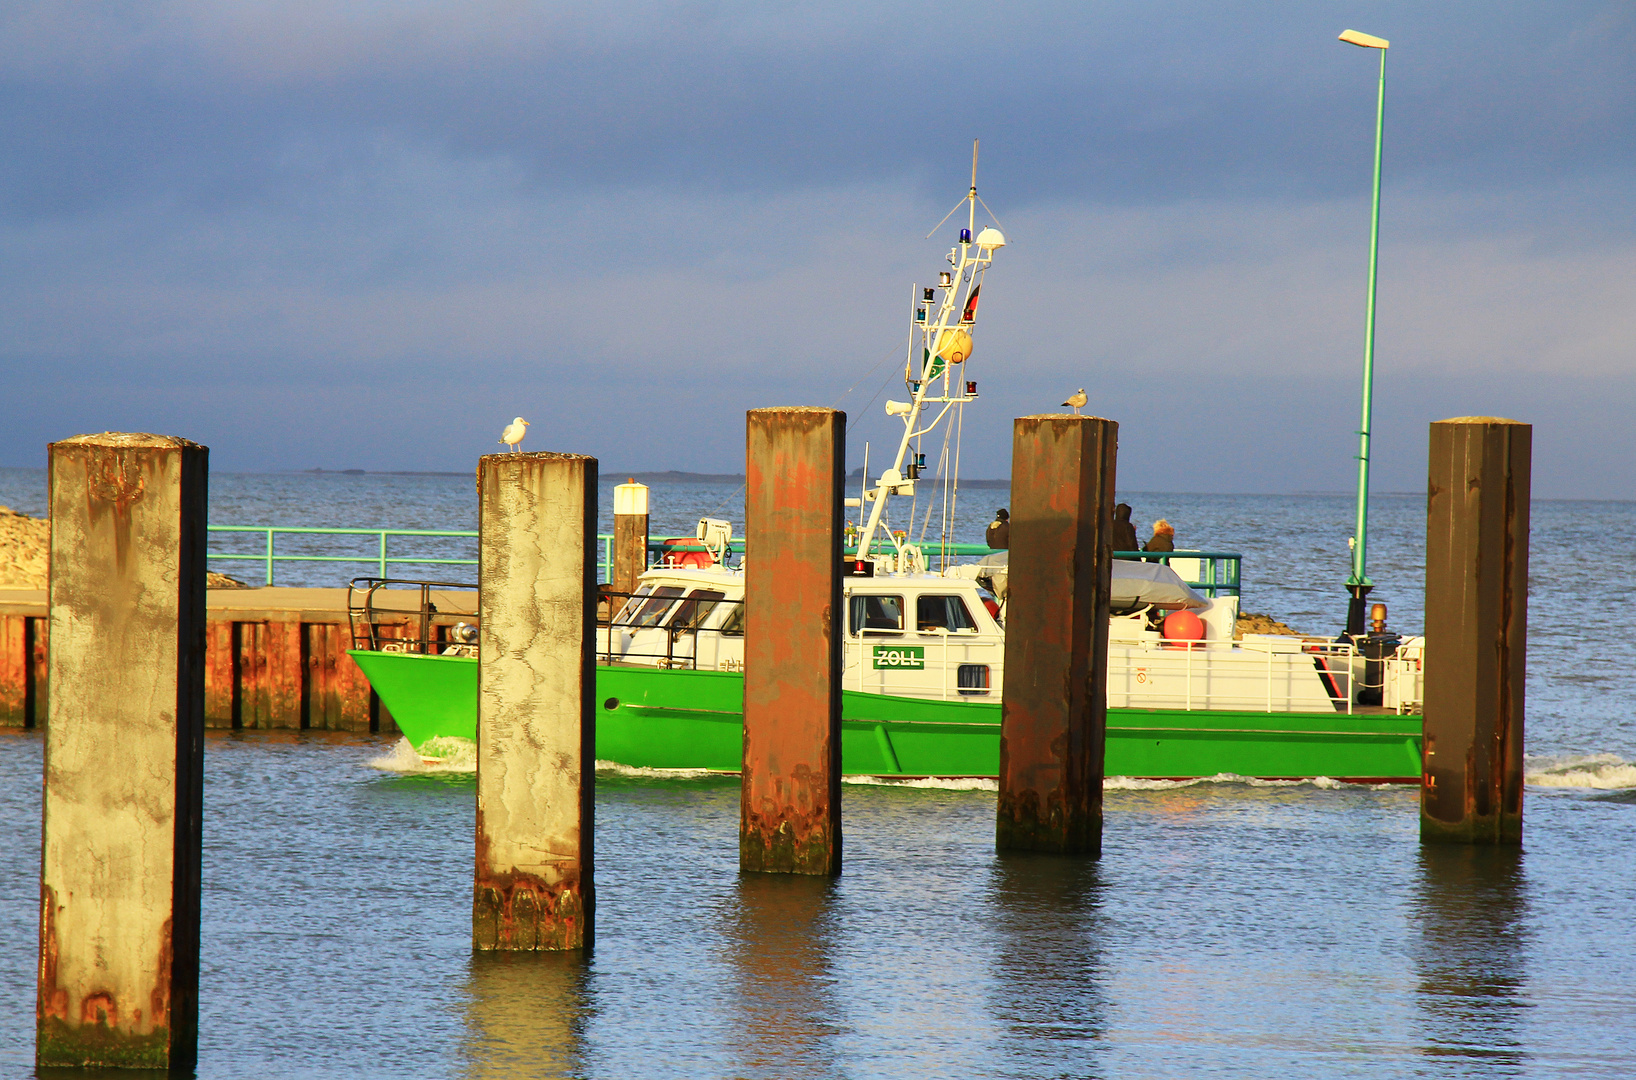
(881, 614)
(633, 604)
(942, 613)
(653, 609)
(692, 612)
(733, 625)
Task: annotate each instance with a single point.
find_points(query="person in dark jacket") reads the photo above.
(999, 530)
(1163, 539)
(1124, 533)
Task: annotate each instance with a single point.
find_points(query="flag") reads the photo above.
(971, 305)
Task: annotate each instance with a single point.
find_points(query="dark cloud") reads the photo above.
(1122, 103)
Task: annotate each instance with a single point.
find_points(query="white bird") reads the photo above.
(512, 436)
(1076, 400)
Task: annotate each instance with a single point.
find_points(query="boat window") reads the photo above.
(632, 603)
(653, 609)
(972, 679)
(881, 613)
(942, 613)
(733, 625)
(692, 612)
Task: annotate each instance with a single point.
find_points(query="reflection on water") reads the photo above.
(525, 1015)
(1471, 907)
(1047, 986)
(778, 937)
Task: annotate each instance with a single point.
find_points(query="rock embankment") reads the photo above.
(25, 553)
(1251, 623)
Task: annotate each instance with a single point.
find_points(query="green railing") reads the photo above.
(1218, 571)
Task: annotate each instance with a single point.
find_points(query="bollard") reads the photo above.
(1053, 718)
(536, 681)
(790, 798)
(630, 541)
(119, 875)
(1476, 630)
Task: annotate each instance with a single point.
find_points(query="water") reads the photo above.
(1230, 928)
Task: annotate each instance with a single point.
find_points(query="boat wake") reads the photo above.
(443, 754)
(1601, 772)
(614, 768)
(1137, 783)
(932, 783)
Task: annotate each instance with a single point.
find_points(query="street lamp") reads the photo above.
(1358, 584)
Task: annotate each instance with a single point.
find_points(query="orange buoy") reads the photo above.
(1181, 627)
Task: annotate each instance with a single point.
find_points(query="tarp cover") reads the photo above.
(1134, 583)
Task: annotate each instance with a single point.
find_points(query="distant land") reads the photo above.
(668, 477)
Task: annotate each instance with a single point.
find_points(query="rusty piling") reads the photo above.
(630, 539)
(790, 799)
(120, 861)
(1476, 630)
(1053, 725)
(536, 680)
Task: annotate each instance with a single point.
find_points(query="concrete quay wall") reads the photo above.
(275, 658)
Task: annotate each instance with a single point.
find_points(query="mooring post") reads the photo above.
(536, 684)
(1054, 709)
(124, 754)
(790, 799)
(1476, 630)
(630, 540)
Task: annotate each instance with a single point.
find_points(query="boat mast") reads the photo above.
(945, 341)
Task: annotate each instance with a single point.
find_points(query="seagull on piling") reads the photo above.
(512, 436)
(1076, 400)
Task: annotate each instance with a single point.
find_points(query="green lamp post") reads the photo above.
(1358, 584)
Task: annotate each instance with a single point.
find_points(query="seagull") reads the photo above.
(512, 436)
(1076, 400)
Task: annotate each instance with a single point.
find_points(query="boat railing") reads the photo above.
(416, 624)
(1261, 674)
(676, 620)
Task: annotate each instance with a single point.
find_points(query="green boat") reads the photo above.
(680, 719)
(924, 634)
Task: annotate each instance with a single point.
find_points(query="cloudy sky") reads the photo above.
(367, 234)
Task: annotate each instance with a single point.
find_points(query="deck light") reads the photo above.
(920, 314)
(971, 388)
(929, 294)
(945, 279)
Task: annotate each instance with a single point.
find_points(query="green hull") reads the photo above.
(660, 719)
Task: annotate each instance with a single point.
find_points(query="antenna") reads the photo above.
(974, 166)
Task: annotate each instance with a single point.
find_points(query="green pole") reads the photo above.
(1358, 583)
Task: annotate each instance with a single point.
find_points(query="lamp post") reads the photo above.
(1358, 584)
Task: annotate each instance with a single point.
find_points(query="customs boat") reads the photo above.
(924, 637)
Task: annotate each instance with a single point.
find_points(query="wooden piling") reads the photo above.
(536, 733)
(630, 539)
(119, 879)
(1476, 630)
(790, 798)
(1053, 723)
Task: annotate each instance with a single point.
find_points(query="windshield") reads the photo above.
(653, 608)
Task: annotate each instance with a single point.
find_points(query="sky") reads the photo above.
(366, 235)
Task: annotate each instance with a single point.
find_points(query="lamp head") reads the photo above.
(1367, 41)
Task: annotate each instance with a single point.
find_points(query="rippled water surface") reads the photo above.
(1230, 929)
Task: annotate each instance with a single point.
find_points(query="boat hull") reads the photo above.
(656, 718)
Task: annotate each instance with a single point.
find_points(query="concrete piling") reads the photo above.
(1476, 630)
(790, 799)
(630, 539)
(119, 877)
(536, 733)
(1053, 723)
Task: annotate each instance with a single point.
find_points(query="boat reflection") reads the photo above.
(1047, 995)
(779, 937)
(1471, 907)
(525, 1015)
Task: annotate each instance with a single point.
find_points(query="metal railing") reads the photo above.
(380, 557)
(1218, 571)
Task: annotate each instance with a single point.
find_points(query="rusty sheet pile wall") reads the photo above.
(272, 667)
